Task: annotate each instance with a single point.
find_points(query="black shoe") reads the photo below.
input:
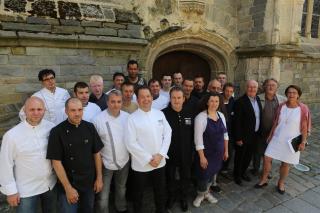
(238, 181)
(184, 205)
(246, 178)
(269, 176)
(125, 211)
(215, 189)
(258, 186)
(280, 190)
(170, 202)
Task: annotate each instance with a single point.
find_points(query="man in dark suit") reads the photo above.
(247, 115)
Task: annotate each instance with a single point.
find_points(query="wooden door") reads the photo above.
(189, 64)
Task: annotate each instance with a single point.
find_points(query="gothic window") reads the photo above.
(310, 19)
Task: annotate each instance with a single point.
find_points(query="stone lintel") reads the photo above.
(269, 51)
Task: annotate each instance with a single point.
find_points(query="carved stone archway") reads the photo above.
(216, 50)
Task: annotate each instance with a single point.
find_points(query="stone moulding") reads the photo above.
(192, 6)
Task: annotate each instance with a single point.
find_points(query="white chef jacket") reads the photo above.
(24, 168)
(89, 112)
(160, 103)
(148, 133)
(165, 93)
(111, 131)
(53, 102)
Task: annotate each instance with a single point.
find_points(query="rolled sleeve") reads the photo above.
(9, 189)
(199, 128)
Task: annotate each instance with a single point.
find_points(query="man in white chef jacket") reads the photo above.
(90, 110)
(53, 97)
(27, 176)
(148, 139)
(110, 125)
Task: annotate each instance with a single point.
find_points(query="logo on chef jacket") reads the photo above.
(187, 121)
(86, 141)
(160, 122)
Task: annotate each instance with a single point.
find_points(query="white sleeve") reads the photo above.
(7, 156)
(200, 125)
(22, 114)
(166, 139)
(225, 136)
(134, 147)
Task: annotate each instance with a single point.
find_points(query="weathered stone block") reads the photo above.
(11, 70)
(27, 87)
(91, 23)
(17, 6)
(124, 16)
(47, 36)
(114, 25)
(25, 27)
(130, 33)
(43, 8)
(99, 53)
(134, 27)
(11, 18)
(100, 31)
(114, 69)
(69, 22)
(5, 50)
(47, 60)
(109, 14)
(91, 11)
(42, 51)
(36, 20)
(75, 60)
(22, 60)
(67, 30)
(3, 59)
(69, 10)
(76, 70)
(18, 50)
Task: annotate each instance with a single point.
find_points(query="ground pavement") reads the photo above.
(302, 189)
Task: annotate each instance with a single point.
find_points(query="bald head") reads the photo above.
(251, 88)
(34, 110)
(74, 110)
(214, 86)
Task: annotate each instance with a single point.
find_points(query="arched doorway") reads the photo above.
(188, 63)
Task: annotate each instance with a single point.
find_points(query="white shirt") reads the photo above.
(148, 133)
(200, 125)
(24, 168)
(53, 102)
(89, 112)
(165, 93)
(111, 131)
(160, 103)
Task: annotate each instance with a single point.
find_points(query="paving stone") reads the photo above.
(271, 198)
(311, 197)
(249, 207)
(317, 189)
(279, 209)
(263, 204)
(227, 204)
(298, 205)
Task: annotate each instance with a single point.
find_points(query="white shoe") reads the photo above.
(198, 200)
(210, 198)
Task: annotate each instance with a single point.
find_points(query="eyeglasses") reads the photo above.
(48, 79)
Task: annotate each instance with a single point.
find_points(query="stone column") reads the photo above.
(309, 18)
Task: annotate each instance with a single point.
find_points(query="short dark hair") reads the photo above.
(44, 73)
(293, 87)
(187, 79)
(165, 74)
(228, 84)
(176, 89)
(142, 88)
(199, 76)
(80, 85)
(130, 62)
(203, 103)
(126, 83)
(152, 80)
(116, 74)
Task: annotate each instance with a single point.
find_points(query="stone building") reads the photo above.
(247, 39)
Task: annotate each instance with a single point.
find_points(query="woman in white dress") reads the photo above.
(292, 119)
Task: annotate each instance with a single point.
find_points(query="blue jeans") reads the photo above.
(30, 204)
(85, 203)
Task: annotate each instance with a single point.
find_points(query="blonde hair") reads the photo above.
(96, 78)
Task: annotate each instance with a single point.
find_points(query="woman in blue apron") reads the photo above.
(211, 141)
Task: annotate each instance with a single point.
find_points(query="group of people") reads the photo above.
(163, 133)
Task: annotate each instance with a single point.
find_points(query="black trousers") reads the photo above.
(178, 188)
(242, 158)
(158, 181)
